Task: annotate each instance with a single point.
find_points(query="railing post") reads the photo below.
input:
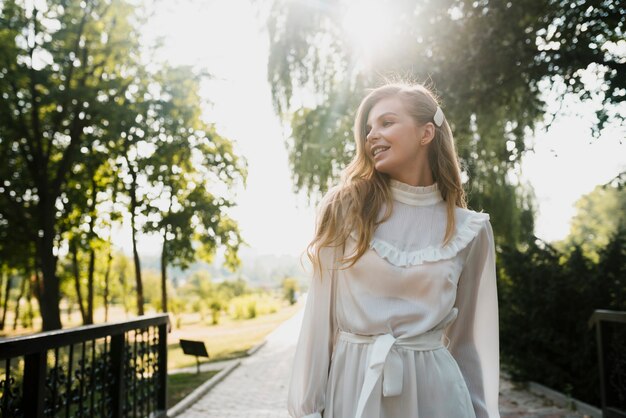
(117, 365)
(162, 366)
(610, 354)
(600, 350)
(34, 384)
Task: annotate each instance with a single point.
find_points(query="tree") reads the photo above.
(488, 60)
(598, 215)
(189, 156)
(290, 287)
(90, 184)
(64, 67)
(131, 164)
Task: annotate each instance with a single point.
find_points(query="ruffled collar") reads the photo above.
(415, 195)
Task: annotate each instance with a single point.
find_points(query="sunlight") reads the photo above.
(368, 26)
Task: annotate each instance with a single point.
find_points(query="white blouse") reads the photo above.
(405, 287)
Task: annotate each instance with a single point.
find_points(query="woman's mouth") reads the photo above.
(379, 150)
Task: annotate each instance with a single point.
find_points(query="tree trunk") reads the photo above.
(31, 314)
(133, 207)
(49, 292)
(19, 299)
(35, 290)
(37, 283)
(70, 306)
(164, 273)
(107, 276)
(92, 263)
(92, 253)
(5, 303)
(123, 284)
(76, 271)
(164, 258)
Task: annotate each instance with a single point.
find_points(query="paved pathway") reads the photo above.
(258, 387)
(516, 403)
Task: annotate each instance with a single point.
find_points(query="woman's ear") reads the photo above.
(427, 133)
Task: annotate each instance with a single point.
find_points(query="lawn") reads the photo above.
(180, 385)
(229, 339)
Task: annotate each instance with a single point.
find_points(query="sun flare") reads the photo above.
(368, 26)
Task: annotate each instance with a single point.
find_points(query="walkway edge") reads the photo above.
(200, 391)
(563, 400)
(559, 399)
(256, 347)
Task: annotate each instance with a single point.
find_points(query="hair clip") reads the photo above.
(438, 118)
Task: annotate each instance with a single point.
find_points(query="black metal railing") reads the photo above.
(109, 370)
(611, 339)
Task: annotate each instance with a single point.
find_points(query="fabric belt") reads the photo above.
(384, 360)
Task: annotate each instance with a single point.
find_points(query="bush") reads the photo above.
(251, 305)
(290, 287)
(546, 298)
(216, 310)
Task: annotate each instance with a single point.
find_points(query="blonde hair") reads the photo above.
(356, 202)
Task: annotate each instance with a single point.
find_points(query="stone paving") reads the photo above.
(258, 387)
(519, 403)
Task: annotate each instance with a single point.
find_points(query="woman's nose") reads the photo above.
(371, 134)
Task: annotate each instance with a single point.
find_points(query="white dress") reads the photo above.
(411, 330)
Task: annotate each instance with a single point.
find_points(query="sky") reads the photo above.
(230, 41)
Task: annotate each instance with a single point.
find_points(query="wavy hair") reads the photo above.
(354, 204)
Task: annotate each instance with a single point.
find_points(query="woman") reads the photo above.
(401, 318)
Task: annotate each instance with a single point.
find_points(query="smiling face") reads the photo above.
(393, 139)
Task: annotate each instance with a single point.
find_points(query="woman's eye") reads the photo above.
(387, 123)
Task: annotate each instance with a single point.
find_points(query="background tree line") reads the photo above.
(93, 132)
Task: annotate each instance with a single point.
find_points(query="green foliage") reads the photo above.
(121, 285)
(189, 155)
(546, 298)
(598, 215)
(216, 306)
(322, 145)
(200, 294)
(233, 288)
(250, 305)
(152, 289)
(177, 307)
(290, 287)
(252, 309)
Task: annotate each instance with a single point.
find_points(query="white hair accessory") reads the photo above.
(438, 118)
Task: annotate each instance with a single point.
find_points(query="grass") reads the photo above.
(227, 340)
(180, 385)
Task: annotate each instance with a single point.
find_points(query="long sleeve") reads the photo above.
(474, 336)
(309, 374)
